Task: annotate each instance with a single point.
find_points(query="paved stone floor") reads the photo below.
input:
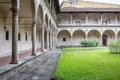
(40, 68)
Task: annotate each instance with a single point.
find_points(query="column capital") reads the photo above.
(34, 22)
(15, 5)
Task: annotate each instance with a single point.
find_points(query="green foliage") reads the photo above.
(88, 65)
(89, 43)
(115, 47)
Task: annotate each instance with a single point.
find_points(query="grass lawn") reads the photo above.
(88, 65)
(79, 48)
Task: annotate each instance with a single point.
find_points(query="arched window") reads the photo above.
(77, 22)
(19, 36)
(26, 38)
(82, 20)
(95, 21)
(7, 35)
(108, 20)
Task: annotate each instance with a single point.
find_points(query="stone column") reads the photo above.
(86, 18)
(52, 41)
(71, 18)
(101, 39)
(15, 26)
(34, 38)
(116, 18)
(115, 36)
(50, 3)
(48, 39)
(101, 17)
(71, 40)
(86, 36)
(43, 36)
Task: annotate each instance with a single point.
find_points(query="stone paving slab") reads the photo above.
(40, 68)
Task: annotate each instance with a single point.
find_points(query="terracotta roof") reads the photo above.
(88, 4)
(74, 9)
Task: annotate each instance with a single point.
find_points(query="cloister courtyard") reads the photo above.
(59, 40)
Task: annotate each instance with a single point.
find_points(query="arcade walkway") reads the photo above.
(39, 68)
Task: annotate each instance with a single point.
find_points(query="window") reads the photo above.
(77, 22)
(64, 39)
(69, 21)
(95, 21)
(19, 36)
(108, 20)
(104, 22)
(26, 36)
(7, 35)
(82, 20)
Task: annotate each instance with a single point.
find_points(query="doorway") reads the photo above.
(104, 40)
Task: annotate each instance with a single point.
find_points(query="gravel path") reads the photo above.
(41, 68)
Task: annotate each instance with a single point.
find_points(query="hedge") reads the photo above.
(89, 43)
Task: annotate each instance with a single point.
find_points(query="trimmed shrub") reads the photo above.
(115, 47)
(89, 43)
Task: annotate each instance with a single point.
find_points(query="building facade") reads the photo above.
(30, 27)
(26, 28)
(86, 20)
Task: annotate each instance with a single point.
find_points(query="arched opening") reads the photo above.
(108, 37)
(39, 29)
(94, 35)
(64, 38)
(78, 36)
(104, 39)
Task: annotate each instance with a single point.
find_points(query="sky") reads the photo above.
(104, 1)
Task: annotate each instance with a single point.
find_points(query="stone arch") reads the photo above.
(78, 36)
(94, 35)
(39, 25)
(40, 16)
(64, 38)
(108, 37)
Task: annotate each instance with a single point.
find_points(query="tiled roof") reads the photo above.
(74, 9)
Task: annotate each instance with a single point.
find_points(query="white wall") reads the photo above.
(64, 18)
(61, 35)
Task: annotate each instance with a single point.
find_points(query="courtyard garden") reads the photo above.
(89, 63)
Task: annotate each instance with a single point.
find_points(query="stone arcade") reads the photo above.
(32, 27)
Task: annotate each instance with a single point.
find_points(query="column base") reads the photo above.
(33, 54)
(14, 62)
(42, 50)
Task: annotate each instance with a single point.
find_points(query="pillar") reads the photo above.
(42, 43)
(115, 36)
(86, 18)
(50, 40)
(101, 39)
(116, 18)
(47, 39)
(101, 17)
(15, 26)
(34, 38)
(71, 40)
(86, 36)
(71, 18)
